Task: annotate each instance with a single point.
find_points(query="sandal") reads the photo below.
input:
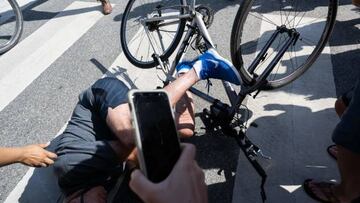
(330, 151)
(326, 189)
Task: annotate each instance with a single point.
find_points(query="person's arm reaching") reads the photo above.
(30, 155)
(185, 184)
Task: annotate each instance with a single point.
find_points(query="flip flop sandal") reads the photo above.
(330, 152)
(330, 196)
(82, 196)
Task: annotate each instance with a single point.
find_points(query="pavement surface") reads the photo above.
(67, 45)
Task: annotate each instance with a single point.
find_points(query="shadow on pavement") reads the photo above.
(218, 156)
(296, 138)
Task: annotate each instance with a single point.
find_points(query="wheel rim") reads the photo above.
(309, 20)
(163, 33)
(11, 25)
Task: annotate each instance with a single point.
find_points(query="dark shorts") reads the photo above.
(347, 132)
(85, 158)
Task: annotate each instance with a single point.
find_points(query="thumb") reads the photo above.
(44, 145)
(141, 185)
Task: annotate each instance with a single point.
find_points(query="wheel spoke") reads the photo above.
(263, 17)
(138, 48)
(310, 18)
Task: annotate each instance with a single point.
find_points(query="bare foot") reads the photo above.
(356, 3)
(184, 115)
(321, 191)
(96, 194)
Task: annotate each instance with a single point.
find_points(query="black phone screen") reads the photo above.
(160, 144)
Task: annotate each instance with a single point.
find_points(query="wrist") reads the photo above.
(19, 153)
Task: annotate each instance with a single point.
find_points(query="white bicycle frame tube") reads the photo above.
(197, 21)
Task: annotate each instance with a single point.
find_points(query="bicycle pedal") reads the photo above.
(262, 155)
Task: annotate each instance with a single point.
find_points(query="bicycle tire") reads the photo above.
(237, 44)
(165, 55)
(15, 37)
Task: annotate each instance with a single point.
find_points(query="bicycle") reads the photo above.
(11, 22)
(266, 40)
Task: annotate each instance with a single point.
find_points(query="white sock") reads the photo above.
(182, 71)
(197, 67)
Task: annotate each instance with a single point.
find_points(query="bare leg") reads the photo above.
(349, 167)
(340, 108)
(184, 115)
(178, 88)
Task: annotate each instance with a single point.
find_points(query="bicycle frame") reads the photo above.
(222, 113)
(196, 21)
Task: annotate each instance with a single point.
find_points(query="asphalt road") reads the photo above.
(45, 103)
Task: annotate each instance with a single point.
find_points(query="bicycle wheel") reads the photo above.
(11, 23)
(257, 20)
(165, 35)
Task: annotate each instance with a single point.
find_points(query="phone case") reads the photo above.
(136, 125)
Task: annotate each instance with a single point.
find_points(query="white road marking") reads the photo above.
(27, 60)
(290, 188)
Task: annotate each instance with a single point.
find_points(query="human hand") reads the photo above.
(36, 156)
(185, 184)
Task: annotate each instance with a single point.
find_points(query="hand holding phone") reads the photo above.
(156, 136)
(186, 182)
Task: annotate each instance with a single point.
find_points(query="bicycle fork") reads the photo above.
(259, 80)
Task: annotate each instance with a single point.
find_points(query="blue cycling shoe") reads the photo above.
(212, 65)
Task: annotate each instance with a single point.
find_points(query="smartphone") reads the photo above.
(155, 132)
